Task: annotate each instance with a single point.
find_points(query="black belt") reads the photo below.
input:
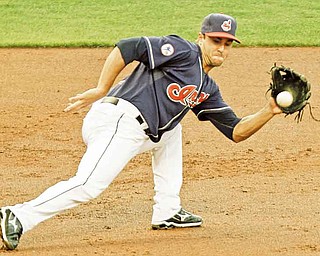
(115, 101)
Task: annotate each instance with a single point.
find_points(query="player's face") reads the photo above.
(214, 50)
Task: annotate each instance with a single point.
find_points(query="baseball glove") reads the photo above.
(285, 79)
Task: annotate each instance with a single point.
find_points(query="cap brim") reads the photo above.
(223, 35)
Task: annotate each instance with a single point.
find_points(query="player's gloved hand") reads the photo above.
(286, 80)
(84, 99)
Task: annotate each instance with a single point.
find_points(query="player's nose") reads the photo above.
(221, 48)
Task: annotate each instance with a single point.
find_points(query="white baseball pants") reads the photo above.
(113, 136)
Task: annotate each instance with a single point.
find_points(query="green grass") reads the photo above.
(85, 23)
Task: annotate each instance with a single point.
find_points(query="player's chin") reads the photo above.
(217, 61)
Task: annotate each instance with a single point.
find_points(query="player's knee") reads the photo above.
(85, 188)
(92, 190)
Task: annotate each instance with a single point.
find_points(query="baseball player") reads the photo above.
(143, 113)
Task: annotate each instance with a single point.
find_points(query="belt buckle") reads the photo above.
(110, 99)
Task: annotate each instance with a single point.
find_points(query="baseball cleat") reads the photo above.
(182, 219)
(11, 229)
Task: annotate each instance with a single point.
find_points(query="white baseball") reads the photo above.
(284, 99)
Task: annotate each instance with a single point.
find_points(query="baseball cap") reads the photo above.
(220, 25)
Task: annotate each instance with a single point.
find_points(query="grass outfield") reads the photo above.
(85, 23)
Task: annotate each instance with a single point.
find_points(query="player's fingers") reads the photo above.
(75, 98)
(74, 106)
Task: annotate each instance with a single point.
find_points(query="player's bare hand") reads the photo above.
(84, 99)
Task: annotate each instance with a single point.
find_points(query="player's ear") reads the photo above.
(200, 38)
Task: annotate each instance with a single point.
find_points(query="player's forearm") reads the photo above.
(251, 124)
(111, 69)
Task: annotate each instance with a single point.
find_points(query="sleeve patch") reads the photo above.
(167, 50)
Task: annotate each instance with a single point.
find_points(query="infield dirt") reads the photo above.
(258, 197)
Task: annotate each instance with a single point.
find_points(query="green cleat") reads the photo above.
(11, 229)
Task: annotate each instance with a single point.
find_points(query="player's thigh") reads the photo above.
(103, 161)
(110, 149)
(173, 137)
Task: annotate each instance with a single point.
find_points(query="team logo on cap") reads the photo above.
(226, 25)
(167, 49)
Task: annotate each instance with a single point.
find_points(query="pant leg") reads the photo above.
(112, 140)
(167, 170)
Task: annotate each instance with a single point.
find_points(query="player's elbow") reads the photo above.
(239, 134)
(244, 129)
(238, 138)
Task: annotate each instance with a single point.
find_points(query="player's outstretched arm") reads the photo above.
(111, 69)
(252, 123)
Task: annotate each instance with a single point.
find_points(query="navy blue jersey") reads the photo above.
(168, 82)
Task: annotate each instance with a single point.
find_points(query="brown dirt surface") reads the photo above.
(258, 197)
